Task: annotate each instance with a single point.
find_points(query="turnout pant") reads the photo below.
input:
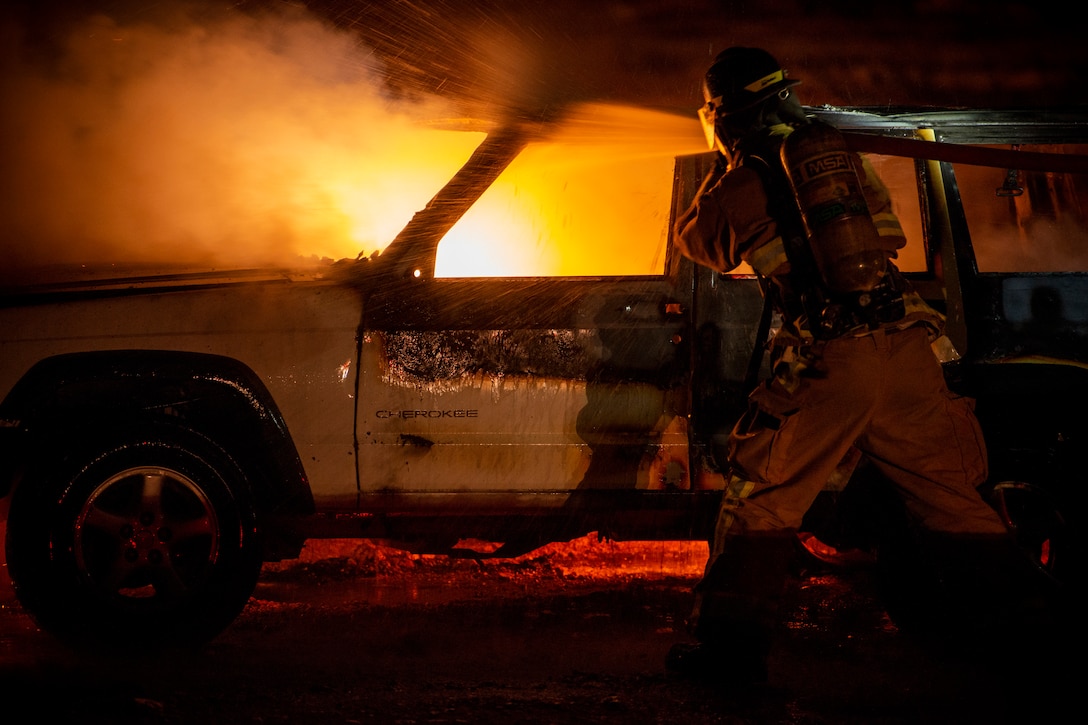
(884, 393)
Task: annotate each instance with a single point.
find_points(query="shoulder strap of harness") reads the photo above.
(807, 297)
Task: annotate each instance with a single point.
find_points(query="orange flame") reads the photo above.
(593, 199)
(252, 141)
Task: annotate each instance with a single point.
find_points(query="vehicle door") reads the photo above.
(549, 352)
(1021, 239)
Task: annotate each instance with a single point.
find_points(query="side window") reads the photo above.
(563, 211)
(1027, 221)
(594, 200)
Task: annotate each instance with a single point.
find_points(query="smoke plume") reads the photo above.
(206, 138)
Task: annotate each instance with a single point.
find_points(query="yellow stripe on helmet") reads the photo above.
(765, 81)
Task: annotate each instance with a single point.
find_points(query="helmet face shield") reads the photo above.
(708, 115)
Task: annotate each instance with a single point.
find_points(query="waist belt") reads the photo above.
(867, 312)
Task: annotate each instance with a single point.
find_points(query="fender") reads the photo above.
(217, 395)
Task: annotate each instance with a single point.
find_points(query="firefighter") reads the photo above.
(853, 364)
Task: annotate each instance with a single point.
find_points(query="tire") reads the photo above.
(134, 541)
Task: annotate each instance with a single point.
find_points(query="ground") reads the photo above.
(357, 633)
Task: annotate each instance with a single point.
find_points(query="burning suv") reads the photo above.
(528, 361)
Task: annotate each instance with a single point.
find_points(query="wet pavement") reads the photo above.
(355, 633)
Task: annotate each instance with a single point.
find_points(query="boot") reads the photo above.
(739, 664)
(736, 611)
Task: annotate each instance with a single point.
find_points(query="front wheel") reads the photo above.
(137, 540)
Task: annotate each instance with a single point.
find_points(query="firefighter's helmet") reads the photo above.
(739, 79)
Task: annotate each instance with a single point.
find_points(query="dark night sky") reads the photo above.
(895, 52)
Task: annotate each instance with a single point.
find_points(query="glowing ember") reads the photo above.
(588, 557)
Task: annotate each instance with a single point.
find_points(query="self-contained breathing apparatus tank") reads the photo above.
(841, 232)
(842, 280)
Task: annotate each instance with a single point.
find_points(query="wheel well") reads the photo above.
(217, 396)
